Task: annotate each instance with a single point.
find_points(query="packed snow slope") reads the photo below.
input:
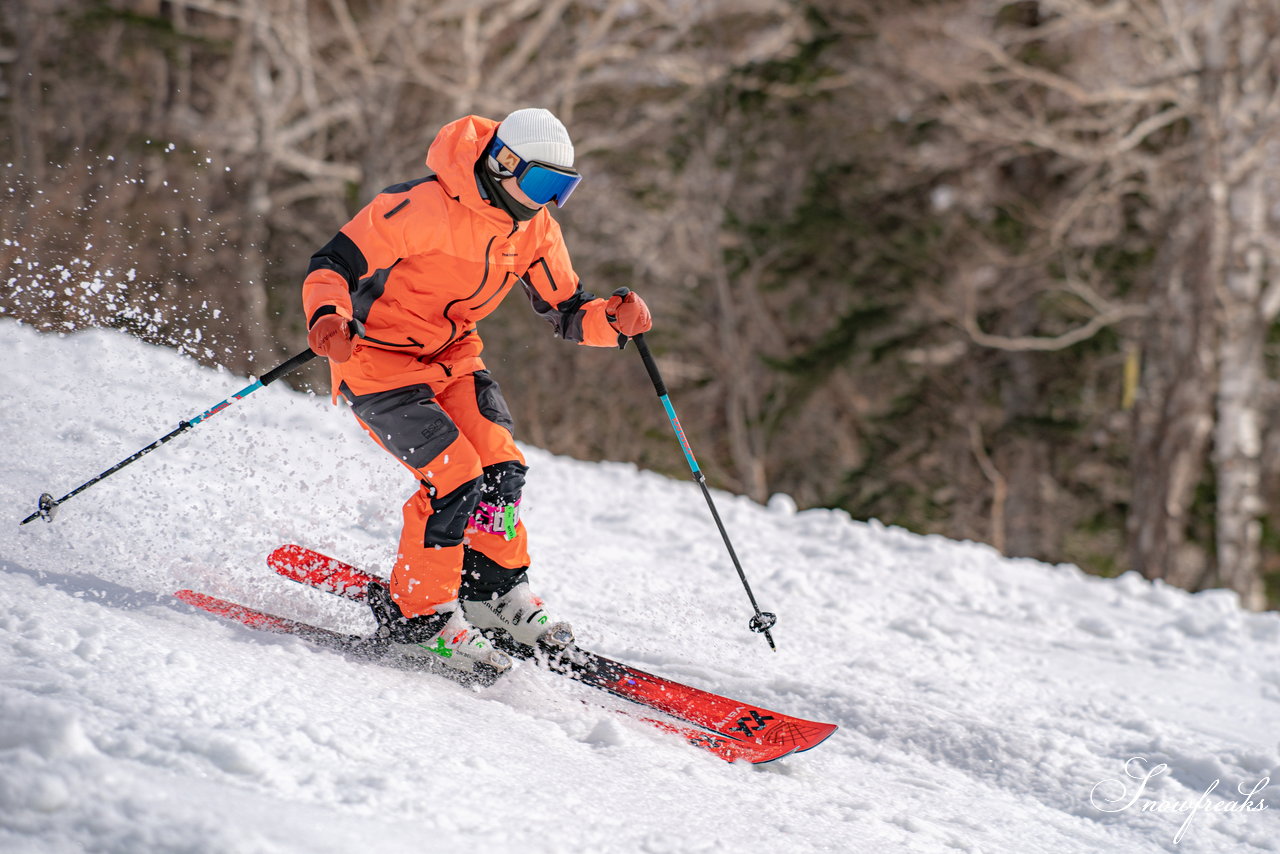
(985, 704)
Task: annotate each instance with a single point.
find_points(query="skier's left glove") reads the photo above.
(628, 314)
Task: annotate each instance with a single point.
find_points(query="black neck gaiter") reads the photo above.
(493, 191)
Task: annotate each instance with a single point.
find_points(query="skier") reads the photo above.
(418, 267)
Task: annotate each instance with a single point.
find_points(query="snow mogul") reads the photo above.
(417, 268)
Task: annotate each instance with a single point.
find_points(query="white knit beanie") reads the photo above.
(536, 134)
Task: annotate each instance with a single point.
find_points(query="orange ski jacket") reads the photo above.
(426, 259)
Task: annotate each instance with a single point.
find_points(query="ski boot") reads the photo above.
(520, 614)
(443, 641)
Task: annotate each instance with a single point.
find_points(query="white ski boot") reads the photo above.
(521, 615)
(441, 641)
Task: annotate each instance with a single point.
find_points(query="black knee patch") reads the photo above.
(483, 579)
(503, 482)
(449, 514)
(407, 421)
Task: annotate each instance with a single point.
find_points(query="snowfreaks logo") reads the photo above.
(1114, 796)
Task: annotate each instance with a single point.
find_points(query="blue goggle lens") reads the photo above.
(545, 183)
(541, 182)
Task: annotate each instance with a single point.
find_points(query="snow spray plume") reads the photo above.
(763, 621)
(47, 503)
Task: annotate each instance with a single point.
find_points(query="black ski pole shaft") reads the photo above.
(47, 503)
(762, 621)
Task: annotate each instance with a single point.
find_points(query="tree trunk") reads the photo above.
(1173, 412)
(1242, 384)
(1239, 92)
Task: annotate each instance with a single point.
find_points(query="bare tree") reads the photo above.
(1237, 96)
(1175, 104)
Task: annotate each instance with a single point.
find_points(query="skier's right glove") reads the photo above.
(330, 334)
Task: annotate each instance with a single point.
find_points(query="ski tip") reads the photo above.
(818, 734)
(796, 735)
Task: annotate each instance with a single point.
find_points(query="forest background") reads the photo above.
(998, 271)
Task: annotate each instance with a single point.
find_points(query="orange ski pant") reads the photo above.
(450, 434)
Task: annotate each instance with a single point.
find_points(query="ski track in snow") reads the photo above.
(980, 699)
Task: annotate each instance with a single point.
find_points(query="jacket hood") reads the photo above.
(453, 155)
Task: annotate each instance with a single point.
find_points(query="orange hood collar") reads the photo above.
(453, 155)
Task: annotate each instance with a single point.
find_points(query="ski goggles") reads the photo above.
(541, 182)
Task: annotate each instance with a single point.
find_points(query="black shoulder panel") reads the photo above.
(406, 186)
(343, 257)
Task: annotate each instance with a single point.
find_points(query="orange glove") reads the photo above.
(330, 335)
(628, 314)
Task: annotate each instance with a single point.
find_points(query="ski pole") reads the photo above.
(47, 503)
(762, 621)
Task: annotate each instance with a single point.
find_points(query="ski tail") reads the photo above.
(262, 621)
(358, 646)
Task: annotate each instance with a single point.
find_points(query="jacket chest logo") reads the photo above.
(504, 256)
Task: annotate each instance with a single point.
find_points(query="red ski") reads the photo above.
(732, 719)
(728, 749)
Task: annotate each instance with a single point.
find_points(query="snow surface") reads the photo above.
(981, 700)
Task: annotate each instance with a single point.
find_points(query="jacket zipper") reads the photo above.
(453, 327)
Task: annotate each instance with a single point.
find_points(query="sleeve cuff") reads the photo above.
(326, 310)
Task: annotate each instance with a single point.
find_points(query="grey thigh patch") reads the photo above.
(408, 421)
(490, 402)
